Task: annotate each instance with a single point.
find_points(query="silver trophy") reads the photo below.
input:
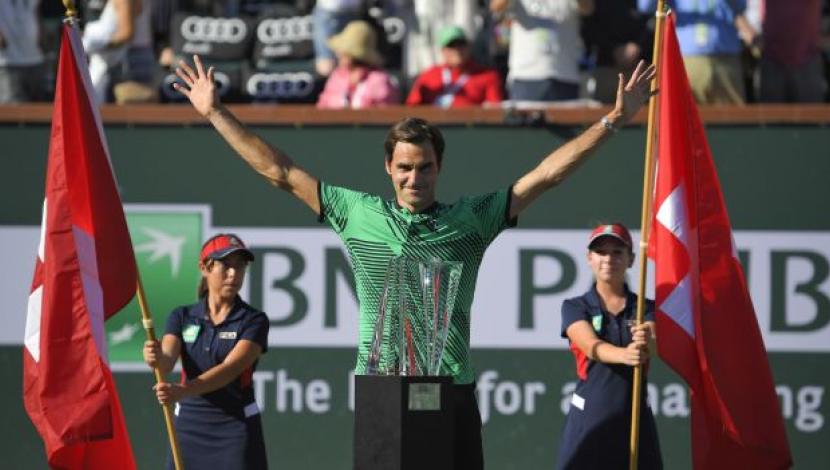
(414, 316)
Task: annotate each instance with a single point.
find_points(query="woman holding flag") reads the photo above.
(219, 339)
(606, 344)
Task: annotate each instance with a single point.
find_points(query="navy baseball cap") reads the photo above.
(617, 231)
(222, 245)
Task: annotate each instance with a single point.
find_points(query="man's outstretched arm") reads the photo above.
(272, 163)
(565, 159)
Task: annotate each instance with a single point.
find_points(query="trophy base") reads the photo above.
(403, 423)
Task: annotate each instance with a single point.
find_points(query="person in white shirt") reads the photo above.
(120, 46)
(21, 59)
(545, 47)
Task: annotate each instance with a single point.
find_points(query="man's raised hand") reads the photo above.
(200, 87)
(634, 94)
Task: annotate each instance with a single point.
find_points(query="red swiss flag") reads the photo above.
(85, 272)
(707, 330)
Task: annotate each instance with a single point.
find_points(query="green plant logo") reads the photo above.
(166, 242)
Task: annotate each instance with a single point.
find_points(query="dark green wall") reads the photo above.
(772, 177)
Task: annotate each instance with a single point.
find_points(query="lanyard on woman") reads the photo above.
(450, 88)
(701, 27)
(353, 98)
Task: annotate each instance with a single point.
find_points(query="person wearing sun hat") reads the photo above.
(219, 340)
(328, 17)
(358, 81)
(606, 343)
(458, 81)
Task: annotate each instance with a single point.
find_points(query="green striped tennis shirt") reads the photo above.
(374, 230)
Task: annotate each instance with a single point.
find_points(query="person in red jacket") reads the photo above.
(459, 81)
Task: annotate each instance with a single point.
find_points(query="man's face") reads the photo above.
(414, 172)
(456, 53)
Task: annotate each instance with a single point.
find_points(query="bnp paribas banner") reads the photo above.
(301, 279)
(303, 282)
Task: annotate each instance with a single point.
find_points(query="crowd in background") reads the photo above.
(365, 53)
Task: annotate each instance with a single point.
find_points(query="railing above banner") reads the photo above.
(302, 115)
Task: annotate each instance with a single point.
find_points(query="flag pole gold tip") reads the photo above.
(71, 14)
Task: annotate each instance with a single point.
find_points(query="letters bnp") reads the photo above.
(790, 288)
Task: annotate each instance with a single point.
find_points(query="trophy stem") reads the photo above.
(403, 309)
(410, 346)
(434, 358)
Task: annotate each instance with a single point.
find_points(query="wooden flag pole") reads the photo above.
(648, 189)
(147, 321)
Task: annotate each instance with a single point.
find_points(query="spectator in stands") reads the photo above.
(615, 36)
(21, 59)
(545, 47)
(791, 65)
(160, 20)
(424, 20)
(330, 17)
(120, 48)
(358, 81)
(710, 35)
(234, 8)
(459, 81)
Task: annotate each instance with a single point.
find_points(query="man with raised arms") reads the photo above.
(414, 223)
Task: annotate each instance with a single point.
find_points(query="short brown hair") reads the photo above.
(414, 131)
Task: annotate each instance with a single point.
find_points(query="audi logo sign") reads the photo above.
(284, 85)
(207, 29)
(223, 85)
(281, 30)
(212, 37)
(223, 82)
(394, 28)
(283, 38)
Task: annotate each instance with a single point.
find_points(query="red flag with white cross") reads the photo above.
(707, 330)
(85, 272)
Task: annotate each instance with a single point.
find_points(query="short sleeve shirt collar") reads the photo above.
(592, 297)
(200, 311)
(416, 217)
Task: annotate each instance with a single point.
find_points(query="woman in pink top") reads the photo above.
(358, 81)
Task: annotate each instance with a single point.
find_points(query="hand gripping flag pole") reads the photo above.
(147, 322)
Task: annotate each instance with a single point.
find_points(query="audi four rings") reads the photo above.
(277, 30)
(280, 85)
(223, 85)
(208, 29)
(394, 28)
